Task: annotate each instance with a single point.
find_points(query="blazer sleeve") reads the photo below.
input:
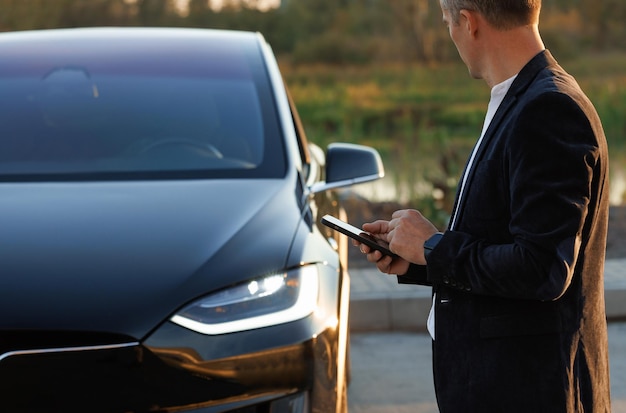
(417, 274)
(530, 205)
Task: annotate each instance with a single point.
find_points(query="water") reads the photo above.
(391, 188)
(618, 187)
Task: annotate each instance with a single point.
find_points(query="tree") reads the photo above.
(339, 31)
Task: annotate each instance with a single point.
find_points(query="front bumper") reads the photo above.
(126, 376)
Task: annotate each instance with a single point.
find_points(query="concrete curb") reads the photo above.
(379, 303)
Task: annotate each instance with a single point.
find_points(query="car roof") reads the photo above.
(26, 52)
(119, 36)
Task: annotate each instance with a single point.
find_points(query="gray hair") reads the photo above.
(502, 14)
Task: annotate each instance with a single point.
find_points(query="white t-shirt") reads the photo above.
(497, 96)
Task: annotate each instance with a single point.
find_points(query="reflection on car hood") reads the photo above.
(121, 257)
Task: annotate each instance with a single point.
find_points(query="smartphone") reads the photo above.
(357, 234)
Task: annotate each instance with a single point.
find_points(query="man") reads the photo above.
(518, 317)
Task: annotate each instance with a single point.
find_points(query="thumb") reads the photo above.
(376, 227)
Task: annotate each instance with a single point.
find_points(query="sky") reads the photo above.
(263, 5)
(183, 5)
(218, 4)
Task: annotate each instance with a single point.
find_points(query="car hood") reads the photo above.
(122, 257)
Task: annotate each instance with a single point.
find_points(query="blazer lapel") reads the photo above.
(521, 83)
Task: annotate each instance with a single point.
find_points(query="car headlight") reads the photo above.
(262, 302)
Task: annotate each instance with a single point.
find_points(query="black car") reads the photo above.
(160, 245)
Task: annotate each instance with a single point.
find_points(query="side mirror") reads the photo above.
(349, 164)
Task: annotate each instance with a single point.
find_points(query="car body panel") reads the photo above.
(206, 184)
(150, 245)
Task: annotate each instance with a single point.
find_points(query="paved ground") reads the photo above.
(391, 372)
(390, 351)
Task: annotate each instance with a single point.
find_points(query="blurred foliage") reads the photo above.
(424, 119)
(380, 72)
(336, 32)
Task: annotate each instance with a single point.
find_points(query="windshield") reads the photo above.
(69, 122)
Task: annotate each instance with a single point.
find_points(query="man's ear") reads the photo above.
(469, 21)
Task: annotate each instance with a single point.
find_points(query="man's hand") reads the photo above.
(406, 233)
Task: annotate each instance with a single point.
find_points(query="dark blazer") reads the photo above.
(519, 315)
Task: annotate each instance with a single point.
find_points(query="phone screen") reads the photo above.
(357, 234)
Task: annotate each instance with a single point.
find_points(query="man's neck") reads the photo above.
(507, 52)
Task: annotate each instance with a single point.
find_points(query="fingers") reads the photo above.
(376, 227)
(406, 212)
(400, 233)
(384, 264)
(362, 247)
(372, 255)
